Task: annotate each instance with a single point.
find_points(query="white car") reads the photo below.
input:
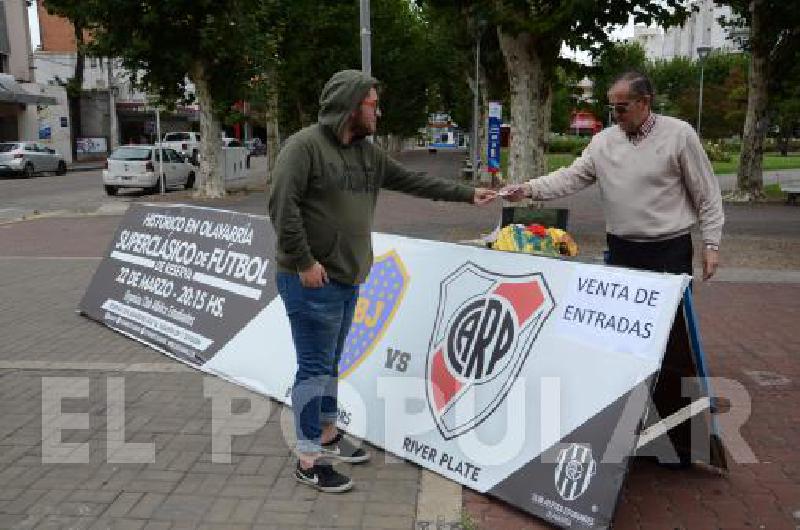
(29, 158)
(187, 143)
(136, 166)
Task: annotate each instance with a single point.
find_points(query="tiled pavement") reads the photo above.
(750, 335)
(43, 338)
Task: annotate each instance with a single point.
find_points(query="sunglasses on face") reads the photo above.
(620, 108)
(373, 104)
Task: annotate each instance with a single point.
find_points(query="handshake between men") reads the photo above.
(511, 193)
(514, 192)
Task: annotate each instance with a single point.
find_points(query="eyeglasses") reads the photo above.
(372, 103)
(619, 108)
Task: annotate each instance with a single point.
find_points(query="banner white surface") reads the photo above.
(508, 373)
(596, 334)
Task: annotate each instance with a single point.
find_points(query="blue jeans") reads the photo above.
(320, 319)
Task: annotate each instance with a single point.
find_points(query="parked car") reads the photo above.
(136, 166)
(29, 158)
(256, 147)
(231, 142)
(186, 143)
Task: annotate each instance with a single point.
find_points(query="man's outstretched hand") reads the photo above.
(513, 192)
(483, 196)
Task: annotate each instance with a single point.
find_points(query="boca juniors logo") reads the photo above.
(486, 324)
(378, 299)
(575, 468)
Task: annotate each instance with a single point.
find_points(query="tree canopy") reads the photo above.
(222, 46)
(773, 40)
(409, 58)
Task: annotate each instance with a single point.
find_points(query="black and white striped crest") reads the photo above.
(575, 468)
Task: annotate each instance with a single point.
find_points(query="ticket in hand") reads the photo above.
(506, 192)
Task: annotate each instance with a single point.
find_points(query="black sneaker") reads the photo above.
(342, 449)
(324, 478)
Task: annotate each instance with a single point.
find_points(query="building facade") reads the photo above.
(113, 110)
(28, 111)
(702, 28)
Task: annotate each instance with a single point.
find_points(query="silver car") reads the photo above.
(29, 158)
(136, 166)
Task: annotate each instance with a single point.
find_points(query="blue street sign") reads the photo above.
(495, 120)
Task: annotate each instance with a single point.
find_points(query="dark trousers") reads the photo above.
(673, 256)
(320, 319)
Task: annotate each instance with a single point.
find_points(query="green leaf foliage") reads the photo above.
(322, 38)
(160, 42)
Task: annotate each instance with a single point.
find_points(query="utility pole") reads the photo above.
(702, 53)
(161, 180)
(112, 108)
(476, 111)
(366, 35)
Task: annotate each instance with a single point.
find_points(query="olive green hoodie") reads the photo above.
(324, 192)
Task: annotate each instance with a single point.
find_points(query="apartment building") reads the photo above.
(28, 111)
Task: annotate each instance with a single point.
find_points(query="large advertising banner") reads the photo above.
(183, 279)
(523, 377)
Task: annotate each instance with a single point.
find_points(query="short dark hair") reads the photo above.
(640, 85)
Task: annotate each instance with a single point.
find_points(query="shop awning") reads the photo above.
(12, 92)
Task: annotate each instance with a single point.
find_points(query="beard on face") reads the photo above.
(361, 126)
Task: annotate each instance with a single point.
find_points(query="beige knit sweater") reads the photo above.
(655, 190)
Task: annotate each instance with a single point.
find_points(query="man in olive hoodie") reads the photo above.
(322, 205)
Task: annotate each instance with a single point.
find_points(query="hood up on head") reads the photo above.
(340, 96)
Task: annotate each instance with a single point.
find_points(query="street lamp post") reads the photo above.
(702, 52)
(366, 34)
(161, 180)
(154, 101)
(476, 113)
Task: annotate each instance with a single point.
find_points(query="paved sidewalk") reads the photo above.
(727, 181)
(45, 265)
(88, 165)
(750, 337)
(164, 404)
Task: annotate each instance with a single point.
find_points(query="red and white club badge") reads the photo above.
(486, 324)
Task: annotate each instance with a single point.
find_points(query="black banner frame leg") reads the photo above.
(685, 357)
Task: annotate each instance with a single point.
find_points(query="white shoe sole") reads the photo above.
(346, 459)
(325, 489)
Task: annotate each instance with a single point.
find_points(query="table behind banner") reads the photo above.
(520, 376)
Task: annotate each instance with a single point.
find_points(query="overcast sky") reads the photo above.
(618, 34)
(33, 22)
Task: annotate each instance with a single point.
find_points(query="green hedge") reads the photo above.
(770, 145)
(568, 144)
(717, 152)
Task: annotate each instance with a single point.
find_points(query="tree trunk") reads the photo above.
(211, 183)
(273, 140)
(530, 113)
(75, 90)
(302, 115)
(395, 143)
(749, 181)
(544, 112)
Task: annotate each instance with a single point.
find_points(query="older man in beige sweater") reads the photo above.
(655, 181)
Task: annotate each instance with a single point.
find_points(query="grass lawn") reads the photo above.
(772, 162)
(554, 161)
(773, 191)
